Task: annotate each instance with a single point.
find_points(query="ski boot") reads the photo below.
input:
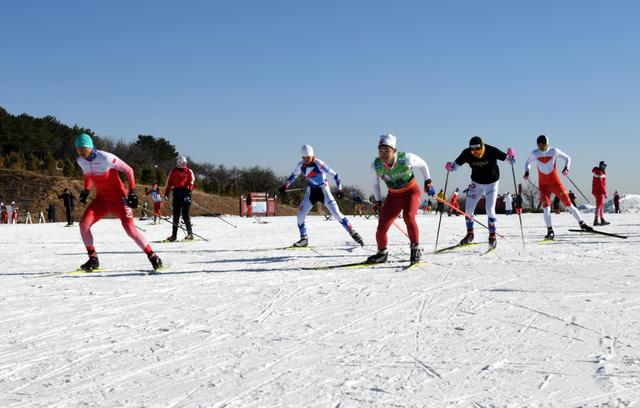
(492, 240)
(585, 227)
(303, 242)
(91, 264)
(416, 253)
(172, 238)
(550, 235)
(379, 257)
(356, 237)
(189, 237)
(603, 222)
(155, 260)
(467, 238)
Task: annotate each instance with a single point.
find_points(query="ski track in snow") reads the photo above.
(237, 322)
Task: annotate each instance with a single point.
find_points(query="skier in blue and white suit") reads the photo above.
(316, 171)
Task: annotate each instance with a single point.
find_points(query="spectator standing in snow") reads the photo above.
(69, 201)
(508, 203)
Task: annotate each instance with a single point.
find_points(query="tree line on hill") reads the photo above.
(46, 145)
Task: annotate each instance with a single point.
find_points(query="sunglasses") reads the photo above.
(475, 148)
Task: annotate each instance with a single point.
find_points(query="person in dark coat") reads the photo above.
(69, 201)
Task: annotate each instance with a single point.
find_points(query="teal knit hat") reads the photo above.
(84, 140)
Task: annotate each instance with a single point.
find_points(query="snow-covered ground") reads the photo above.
(629, 203)
(236, 321)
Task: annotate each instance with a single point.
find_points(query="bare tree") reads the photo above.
(530, 197)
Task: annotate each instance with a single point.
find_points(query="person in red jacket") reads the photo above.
(455, 204)
(180, 181)
(599, 190)
(4, 215)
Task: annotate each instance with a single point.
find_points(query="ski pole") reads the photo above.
(446, 181)
(515, 190)
(141, 229)
(574, 184)
(536, 187)
(213, 214)
(178, 225)
(448, 204)
(401, 230)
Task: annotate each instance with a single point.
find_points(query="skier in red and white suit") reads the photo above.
(4, 215)
(545, 158)
(599, 190)
(101, 169)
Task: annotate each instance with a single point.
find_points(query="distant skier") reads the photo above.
(556, 205)
(517, 203)
(616, 202)
(545, 158)
(357, 206)
(156, 198)
(69, 201)
(101, 169)
(249, 203)
(485, 176)
(572, 197)
(599, 191)
(397, 170)
(316, 171)
(14, 213)
(508, 203)
(4, 215)
(455, 205)
(440, 198)
(180, 182)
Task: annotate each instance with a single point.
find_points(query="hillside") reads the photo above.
(34, 192)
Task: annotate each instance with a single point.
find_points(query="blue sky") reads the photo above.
(248, 82)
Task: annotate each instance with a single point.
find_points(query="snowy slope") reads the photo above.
(629, 203)
(236, 322)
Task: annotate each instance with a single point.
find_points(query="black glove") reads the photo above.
(526, 175)
(282, 189)
(132, 199)
(187, 198)
(84, 194)
(339, 194)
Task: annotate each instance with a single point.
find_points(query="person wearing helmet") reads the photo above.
(397, 169)
(156, 197)
(545, 158)
(101, 169)
(180, 182)
(599, 190)
(485, 176)
(316, 171)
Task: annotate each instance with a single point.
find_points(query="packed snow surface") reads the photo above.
(237, 321)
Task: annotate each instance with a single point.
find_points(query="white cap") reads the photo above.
(307, 151)
(181, 162)
(387, 140)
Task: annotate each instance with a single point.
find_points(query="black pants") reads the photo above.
(69, 216)
(181, 206)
